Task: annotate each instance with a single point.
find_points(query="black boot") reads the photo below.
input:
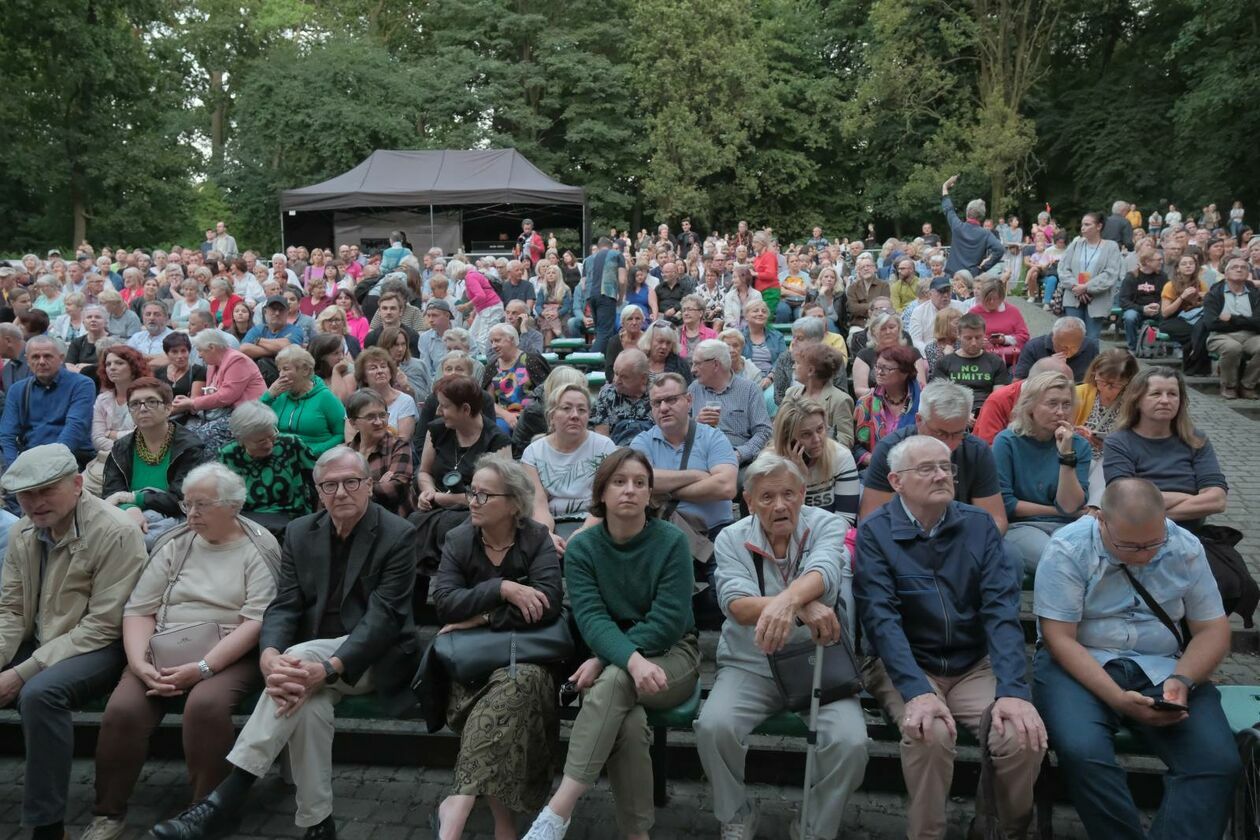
(204, 820)
(327, 830)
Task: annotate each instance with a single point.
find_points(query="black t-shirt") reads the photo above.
(977, 473)
(981, 374)
(330, 623)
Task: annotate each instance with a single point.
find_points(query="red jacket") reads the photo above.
(766, 271)
(995, 414)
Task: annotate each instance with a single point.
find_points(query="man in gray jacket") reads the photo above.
(780, 573)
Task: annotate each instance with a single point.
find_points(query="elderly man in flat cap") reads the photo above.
(71, 564)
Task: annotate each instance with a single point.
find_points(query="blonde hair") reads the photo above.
(1033, 389)
(946, 324)
(794, 412)
(555, 396)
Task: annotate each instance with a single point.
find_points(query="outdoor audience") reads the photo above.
(435, 448)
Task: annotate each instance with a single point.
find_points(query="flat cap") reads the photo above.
(38, 466)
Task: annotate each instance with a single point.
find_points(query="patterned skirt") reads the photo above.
(508, 729)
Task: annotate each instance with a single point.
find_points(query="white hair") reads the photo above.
(339, 453)
(767, 464)
(900, 454)
(712, 348)
(507, 331)
(945, 400)
(206, 339)
(228, 486)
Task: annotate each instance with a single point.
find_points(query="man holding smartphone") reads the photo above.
(1132, 629)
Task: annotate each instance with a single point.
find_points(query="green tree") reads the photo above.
(93, 144)
(314, 113)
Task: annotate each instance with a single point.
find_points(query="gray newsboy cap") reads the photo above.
(38, 466)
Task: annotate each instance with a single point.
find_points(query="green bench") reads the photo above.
(595, 379)
(563, 346)
(551, 358)
(585, 360)
(785, 329)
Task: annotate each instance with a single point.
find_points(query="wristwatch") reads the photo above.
(331, 677)
(1067, 460)
(1184, 680)
(206, 671)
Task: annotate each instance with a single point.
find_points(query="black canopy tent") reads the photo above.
(469, 200)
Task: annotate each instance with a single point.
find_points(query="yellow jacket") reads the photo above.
(88, 577)
(903, 293)
(1086, 395)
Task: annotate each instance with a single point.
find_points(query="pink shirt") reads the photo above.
(480, 292)
(705, 332)
(1008, 321)
(233, 381)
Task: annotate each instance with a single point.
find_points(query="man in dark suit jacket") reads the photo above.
(341, 623)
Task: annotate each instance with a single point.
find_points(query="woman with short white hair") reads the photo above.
(511, 374)
(303, 404)
(211, 579)
(782, 573)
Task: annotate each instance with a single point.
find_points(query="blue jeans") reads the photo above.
(1202, 759)
(1133, 319)
(1048, 285)
(787, 312)
(604, 311)
(1093, 326)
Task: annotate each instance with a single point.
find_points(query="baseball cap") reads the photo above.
(438, 303)
(940, 284)
(276, 300)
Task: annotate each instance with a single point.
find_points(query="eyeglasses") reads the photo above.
(481, 496)
(375, 417)
(930, 470)
(1137, 547)
(330, 488)
(670, 400)
(188, 507)
(147, 405)
(881, 369)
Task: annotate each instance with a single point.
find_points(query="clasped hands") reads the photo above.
(779, 617)
(289, 680)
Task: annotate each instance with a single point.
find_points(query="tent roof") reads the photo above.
(391, 178)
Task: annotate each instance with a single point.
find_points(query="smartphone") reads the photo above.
(1162, 705)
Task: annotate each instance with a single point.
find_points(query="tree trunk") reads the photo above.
(78, 208)
(997, 203)
(218, 119)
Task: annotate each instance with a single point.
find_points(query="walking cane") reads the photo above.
(811, 739)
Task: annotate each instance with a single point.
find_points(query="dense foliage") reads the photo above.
(143, 121)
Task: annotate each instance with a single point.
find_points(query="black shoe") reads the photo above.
(327, 830)
(204, 820)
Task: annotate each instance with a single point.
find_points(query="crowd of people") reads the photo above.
(244, 478)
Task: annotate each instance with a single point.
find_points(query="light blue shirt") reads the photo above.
(710, 449)
(6, 522)
(1079, 581)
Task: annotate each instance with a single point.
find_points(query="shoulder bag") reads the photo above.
(471, 656)
(792, 668)
(181, 645)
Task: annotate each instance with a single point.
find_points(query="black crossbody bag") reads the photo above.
(792, 668)
(1182, 634)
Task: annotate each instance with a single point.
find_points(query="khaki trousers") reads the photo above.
(928, 767)
(611, 729)
(308, 733)
(1231, 347)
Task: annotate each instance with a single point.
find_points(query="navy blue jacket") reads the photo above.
(970, 246)
(938, 605)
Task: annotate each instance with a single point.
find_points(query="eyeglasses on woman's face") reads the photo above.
(189, 506)
(151, 404)
(480, 497)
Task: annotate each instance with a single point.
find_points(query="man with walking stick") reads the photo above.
(780, 573)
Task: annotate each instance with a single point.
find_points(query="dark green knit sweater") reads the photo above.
(647, 580)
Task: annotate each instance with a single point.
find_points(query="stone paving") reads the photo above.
(388, 803)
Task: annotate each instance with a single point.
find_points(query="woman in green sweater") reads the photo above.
(629, 579)
(303, 404)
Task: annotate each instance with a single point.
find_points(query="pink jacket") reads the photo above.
(1008, 321)
(234, 381)
(479, 291)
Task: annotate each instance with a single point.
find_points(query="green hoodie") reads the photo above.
(317, 417)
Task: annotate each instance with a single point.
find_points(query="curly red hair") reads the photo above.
(135, 360)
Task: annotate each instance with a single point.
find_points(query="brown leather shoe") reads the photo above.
(1229, 393)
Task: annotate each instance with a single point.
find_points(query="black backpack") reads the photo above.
(1239, 591)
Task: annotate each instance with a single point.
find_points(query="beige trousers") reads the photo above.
(611, 729)
(308, 733)
(928, 767)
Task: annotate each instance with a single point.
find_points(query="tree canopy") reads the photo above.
(141, 122)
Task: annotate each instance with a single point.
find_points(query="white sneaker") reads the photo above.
(547, 826)
(104, 828)
(745, 829)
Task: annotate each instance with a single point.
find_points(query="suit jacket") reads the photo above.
(375, 606)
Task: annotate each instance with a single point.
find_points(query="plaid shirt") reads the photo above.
(391, 455)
